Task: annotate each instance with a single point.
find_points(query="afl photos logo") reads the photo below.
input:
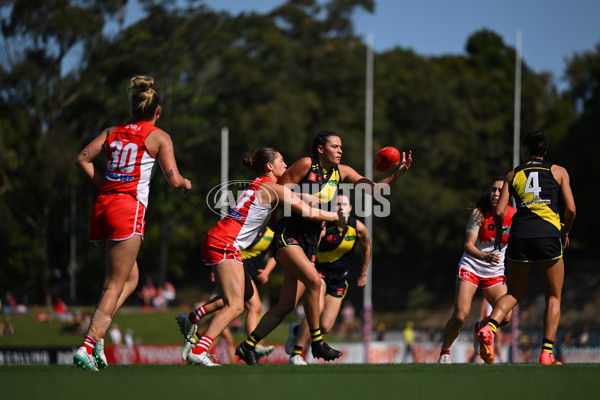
(228, 198)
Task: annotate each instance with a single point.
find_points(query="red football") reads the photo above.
(387, 158)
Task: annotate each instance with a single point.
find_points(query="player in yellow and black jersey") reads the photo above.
(535, 237)
(333, 263)
(316, 179)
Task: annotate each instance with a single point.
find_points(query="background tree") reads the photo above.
(36, 141)
(274, 79)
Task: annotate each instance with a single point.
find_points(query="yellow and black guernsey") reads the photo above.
(336, 250)
(536, 194)
(254, 256)
(261, 244)
(321, 183)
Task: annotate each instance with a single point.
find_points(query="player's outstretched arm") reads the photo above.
(350, 175)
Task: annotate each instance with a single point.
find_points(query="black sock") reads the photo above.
(297, 351)
(493, 324)
(315, 335)
(252, 340)
(547, 345)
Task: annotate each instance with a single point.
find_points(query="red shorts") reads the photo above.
(116, 217)
(215, 251)
(477, 281)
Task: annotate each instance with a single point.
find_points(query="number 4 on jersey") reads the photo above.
(533, 185)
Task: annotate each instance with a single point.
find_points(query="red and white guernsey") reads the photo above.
(486, 234)
(244, 220)
(129, 165)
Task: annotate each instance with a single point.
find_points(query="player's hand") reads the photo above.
(188, 186)
(405, 163)
(492, 258)
(565, 238)
(362, 280)
(262, 276)
(310, 199)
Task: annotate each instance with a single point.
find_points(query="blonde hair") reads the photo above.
(143, 98)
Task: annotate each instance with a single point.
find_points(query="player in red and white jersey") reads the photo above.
(482, 225)
(222, 245)
(129, 164)
(245, 220)
(132, 150)
(480, 266)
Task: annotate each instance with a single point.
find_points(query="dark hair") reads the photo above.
(143, 98)
(537, 143)
(321, 139)
(483, 203)
(257, 161)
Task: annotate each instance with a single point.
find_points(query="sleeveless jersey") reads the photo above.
(336, 249)
(244, 220)
(129, 165)
(485, 242)
(262, 242)
(536, 193)
(320, 183)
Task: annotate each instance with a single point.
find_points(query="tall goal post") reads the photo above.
(367, 294)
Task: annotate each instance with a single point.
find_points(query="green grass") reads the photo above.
(156, 327)
(365, 382)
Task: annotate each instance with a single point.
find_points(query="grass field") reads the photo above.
(156, 327)
(355, 381)
(265, 382)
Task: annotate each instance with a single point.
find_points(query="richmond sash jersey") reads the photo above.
(244, 220)
(486, 235)
(336, 250)
(536, 194)
(320, 183)
(129, 165)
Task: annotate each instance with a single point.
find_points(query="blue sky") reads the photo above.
(552, 30)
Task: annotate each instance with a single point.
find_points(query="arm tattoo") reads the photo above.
(170, 174)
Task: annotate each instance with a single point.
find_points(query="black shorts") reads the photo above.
(252, 265)
(335, 287)
(307, 242)
(534, 249)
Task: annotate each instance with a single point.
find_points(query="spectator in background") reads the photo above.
(348, 314)
(409, 339)
(381, 328)
(148, 292)
(7, 328)
(584, 336)
(169, 292)
(60, 310)
(129, 337)
(10, 303)
(115, 334)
